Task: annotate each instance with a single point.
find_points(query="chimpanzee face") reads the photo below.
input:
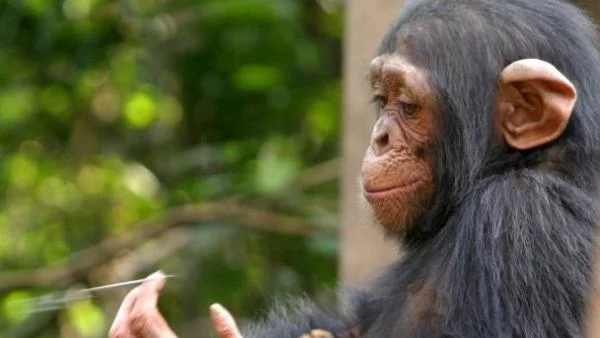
(534, 103)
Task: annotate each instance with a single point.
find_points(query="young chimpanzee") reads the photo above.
(483, 162)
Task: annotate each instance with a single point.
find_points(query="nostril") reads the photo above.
(382, 142)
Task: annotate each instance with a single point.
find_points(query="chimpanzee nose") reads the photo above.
(383, 135)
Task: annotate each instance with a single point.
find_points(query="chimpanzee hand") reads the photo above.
(326, 334)
(318, 334)
(138, 316)
(223, 322)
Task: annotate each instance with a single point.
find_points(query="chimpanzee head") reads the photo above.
(465, 90)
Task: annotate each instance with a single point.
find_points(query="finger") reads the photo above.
(149, 291)
(119, 327)
(223, 322)
(157, 327)
(144, 319)
(149, 325)
(157, 279)
(320, 334)
(138, 304)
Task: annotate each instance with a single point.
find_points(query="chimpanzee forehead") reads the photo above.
(394, 70)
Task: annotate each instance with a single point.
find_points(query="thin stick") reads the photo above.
(121, 284)
(58, 300)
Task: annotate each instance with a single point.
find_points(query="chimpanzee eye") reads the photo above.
(409, 109)
(379, 100)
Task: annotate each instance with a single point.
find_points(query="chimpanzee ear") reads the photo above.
(536, 101)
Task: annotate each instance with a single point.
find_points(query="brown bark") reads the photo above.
(592, 7)
(363, 247)
(593, 321)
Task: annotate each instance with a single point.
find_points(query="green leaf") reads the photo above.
(277, 165)
(323, 115)
(38, 6)
(77, 9)
(22, 171)
(55, 99)
(241, 10)
(123, 68)
(171, 111)
(87, 318)
(16, 104)
(140, 110)
(257, 78)
(328, 245)
(140, 180)
(16, 306)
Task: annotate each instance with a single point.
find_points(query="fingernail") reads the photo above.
(216, 307)
(158, 274)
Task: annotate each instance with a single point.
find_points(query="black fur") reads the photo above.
(292, 321)
(506, 249)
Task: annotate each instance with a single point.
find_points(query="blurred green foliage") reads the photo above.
(116, 112)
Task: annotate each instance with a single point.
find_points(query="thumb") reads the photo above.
(223, 322)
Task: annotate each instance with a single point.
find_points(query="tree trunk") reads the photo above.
(363, 247)
(592, 7)
(593, 323)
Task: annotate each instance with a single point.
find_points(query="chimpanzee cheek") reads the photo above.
(397, 212)
(398, 191)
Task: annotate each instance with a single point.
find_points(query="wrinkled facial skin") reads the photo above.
(397, 172)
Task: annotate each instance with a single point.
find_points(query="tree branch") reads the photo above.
(318, 174)
(79, 264)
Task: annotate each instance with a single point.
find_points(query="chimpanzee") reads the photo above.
(484, 163)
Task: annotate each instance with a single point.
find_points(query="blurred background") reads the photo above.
(198, 137)
(201, 137)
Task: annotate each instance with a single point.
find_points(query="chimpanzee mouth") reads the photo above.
(385, 192)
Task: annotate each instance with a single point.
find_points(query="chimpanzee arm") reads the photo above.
(139, 317)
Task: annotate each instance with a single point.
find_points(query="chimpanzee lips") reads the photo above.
(374, 191)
